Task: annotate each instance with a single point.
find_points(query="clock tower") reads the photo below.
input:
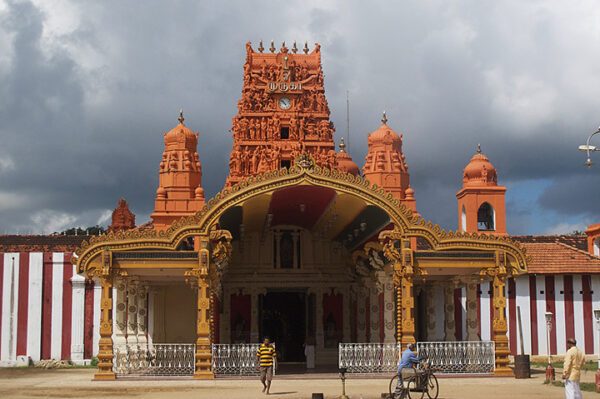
(282, 112)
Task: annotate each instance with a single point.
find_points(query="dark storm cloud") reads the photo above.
(87, 89)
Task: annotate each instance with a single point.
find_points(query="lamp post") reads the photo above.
(597, 317)
(587, 148)
(343, 378)
(550, 375)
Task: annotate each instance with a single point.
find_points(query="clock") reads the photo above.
(285, 103)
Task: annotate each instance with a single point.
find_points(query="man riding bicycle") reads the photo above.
(406, 369)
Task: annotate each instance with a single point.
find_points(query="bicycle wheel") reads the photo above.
(415, 391)
(393, 384)
(433, 388)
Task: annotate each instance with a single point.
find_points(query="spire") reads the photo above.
(181, 118)
(261, 48)
(479, 148)
(342, 145)
(384, 118)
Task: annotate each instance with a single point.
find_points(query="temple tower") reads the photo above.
(180, 191)
(282, 112)
(122, 217)
(481, 201)
(385, 164)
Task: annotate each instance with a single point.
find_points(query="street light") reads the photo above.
(587, 148)
(550, 375)
(597, 317)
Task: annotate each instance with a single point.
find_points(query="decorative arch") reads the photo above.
(486, 217)
(304, 172)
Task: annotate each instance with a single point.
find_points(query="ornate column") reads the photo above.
(254, 293)
(388, 304)
(500, 327)
(361, 312)
(449, 322)
(121, 312)
(472, 316)
(199, 277)
(319, 319)
(346, 311)
(78, 283)
(397, 249)
(132, 327)
(432, 309)
(142, 324)
(105, 344)
(374, 309)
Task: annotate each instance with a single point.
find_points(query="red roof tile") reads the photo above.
(559, 258)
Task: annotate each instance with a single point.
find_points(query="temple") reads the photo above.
(302, 245)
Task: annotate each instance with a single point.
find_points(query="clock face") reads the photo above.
(285, 103)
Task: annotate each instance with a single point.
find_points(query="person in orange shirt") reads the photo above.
(574, 360)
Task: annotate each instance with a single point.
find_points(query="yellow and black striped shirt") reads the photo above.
(266, 355)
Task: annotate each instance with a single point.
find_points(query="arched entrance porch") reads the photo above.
(395, 250)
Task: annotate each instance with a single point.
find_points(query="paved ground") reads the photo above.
(76, 383)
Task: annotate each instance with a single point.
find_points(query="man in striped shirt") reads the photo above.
(266, 356)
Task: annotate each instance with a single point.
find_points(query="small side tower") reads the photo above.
(180, 191)
(593, 236)
(122, 217)
(385, 164)
(481, 201)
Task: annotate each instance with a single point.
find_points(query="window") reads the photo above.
(284, 133)
(485, 217)
(463, 219)
(286, 163)
(597, 247)
(286, 249)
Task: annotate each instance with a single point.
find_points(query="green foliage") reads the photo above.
(78, 231)
(94, 362)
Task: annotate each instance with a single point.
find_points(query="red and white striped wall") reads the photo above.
(571, 300)
(48, 311)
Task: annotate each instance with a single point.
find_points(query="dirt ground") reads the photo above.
(76, 383)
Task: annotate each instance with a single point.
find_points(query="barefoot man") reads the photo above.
(574, 360)
(266, 355)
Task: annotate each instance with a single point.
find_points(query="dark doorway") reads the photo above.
(420, 314)
(283, 319)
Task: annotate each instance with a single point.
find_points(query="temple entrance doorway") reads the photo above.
(283, 320)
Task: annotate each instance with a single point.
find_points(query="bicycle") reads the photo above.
(422, 382)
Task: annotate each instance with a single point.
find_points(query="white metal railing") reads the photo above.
(459, 357)
(154, 360)
(235, 359)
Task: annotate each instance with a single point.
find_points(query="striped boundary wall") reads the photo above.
(49, 312)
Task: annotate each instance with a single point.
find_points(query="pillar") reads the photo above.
(142, 324)
(319, 319)
(361, 315)
(432, 309)
(346, 312)
(120, 333)
(500, 328)
(254, 293)
(449, 322)
(388, 309)
(78, 313)
(407, 301)
(105, 351)
(203, 354)
(132, 313)
(374, 316)
(472, 316)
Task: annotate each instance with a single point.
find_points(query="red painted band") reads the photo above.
(23, 300)
(588, 327)
(533, 315)
(381, 318)
(512, 315)
(457, 314)
(1, 291)
(551, 307)
(67, 301)
(569, 312)
(88, 314)
(46, 306)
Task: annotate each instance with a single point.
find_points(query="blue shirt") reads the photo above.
(408, 359)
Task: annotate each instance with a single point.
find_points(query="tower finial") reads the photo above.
(181, 118)
(272, 48)
(294, 48)
(305, 48)
(261, 48)
(342, 145)
(479, 148)
(384, 118)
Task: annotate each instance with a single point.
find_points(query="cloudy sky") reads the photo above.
(88, 88)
